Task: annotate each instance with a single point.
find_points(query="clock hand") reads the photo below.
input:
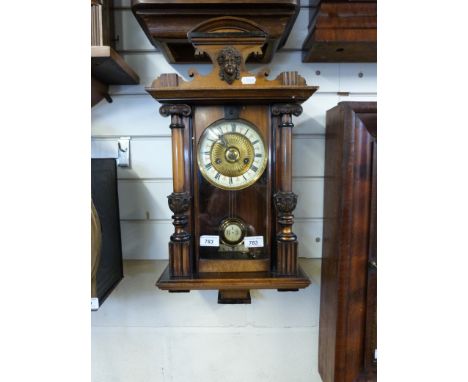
(223, 140)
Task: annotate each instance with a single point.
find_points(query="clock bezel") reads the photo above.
(261, 169)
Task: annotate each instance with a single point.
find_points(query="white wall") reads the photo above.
(146, 227)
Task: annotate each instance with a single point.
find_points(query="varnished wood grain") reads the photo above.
(252, 203)
(238, 280)
(348, 230)
(211, 98)
(342, 32)
(166, 24)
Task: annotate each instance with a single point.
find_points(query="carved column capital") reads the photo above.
(177, 112)
(179, 203)
(285, 203)
(285, 111)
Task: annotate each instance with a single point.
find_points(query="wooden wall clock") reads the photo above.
(231, 143)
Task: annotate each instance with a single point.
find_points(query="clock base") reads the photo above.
(228, 281)
(234, 296)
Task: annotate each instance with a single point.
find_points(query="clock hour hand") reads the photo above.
(223, 140)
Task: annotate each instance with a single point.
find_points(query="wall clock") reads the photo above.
(231, 143)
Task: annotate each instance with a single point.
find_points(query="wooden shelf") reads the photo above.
(110, 68)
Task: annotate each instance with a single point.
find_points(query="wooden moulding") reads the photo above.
(233, 281)
(167, 23)
(342, 32)
(245, 88)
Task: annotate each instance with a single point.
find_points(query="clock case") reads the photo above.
(230, 92)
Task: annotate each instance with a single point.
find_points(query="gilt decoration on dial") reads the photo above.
(231, 154)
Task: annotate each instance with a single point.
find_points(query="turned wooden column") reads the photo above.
(284, 199)
(179, 200)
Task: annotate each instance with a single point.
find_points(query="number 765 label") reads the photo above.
(253, 241)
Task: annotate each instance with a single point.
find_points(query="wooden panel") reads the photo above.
(144, 240)
(144, 200)
(347, 233)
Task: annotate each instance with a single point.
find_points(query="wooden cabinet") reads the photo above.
(348, 331)
(341, 31)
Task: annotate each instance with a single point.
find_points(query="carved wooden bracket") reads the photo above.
(176, 112)
(179, 203)
(285, 112)
(285, 203)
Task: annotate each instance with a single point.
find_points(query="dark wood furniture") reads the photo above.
(167, 23)
(106, 201)
(236, 107)
(341, 31)
(107, 66)
(348, 331)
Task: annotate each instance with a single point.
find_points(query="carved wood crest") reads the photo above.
(228, 42)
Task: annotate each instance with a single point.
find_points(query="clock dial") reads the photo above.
(231, 155)
(232, 231)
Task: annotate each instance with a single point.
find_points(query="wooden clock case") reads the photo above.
(167, 23)
(268, 204)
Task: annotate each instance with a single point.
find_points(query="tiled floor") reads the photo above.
(142, 334)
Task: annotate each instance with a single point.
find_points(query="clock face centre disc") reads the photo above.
(232, 154)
